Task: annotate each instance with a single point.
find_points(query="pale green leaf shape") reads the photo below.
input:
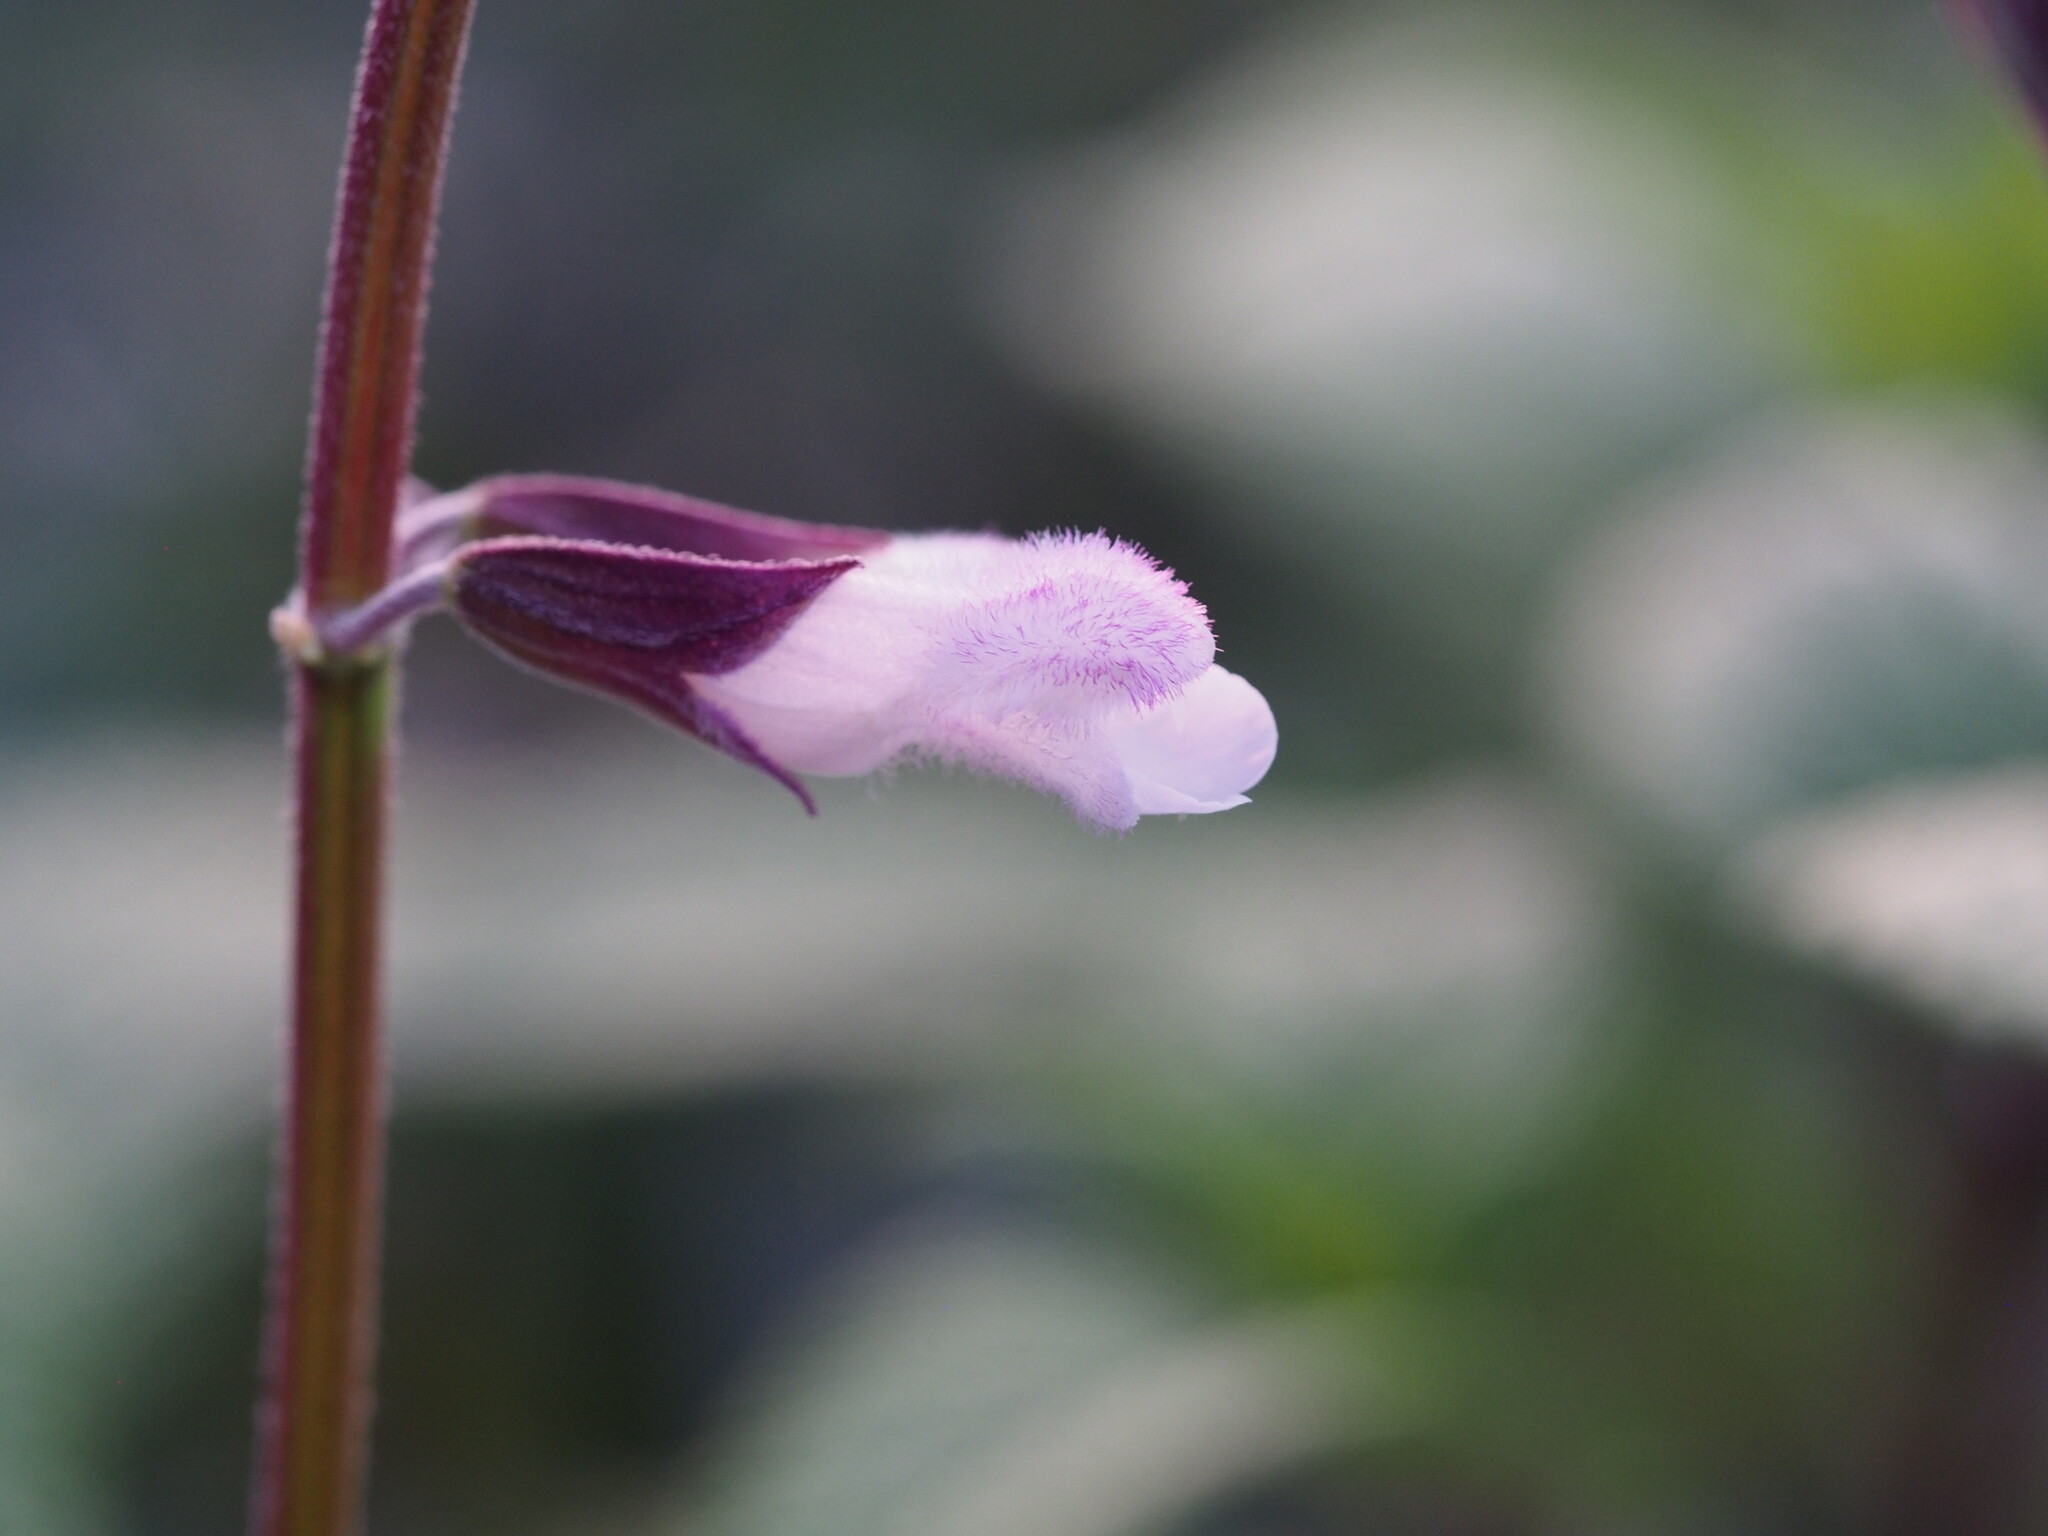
(1936, 890)
(1836, 597)
(995, 1382)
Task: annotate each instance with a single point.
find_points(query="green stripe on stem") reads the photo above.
(321, 1331)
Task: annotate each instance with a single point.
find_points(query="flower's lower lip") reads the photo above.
(1071, 664)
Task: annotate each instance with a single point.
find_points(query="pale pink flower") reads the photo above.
(1070, 662)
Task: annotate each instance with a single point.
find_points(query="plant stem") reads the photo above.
(321, 1311)
(320, 1335)
(368, 385)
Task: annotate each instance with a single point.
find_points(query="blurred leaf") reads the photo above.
(1937, 891)
(1001, 1383)
(1827, 599)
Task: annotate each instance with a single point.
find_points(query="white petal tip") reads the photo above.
(1201, 752)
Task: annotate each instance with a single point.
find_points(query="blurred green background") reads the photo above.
(1597, 1087)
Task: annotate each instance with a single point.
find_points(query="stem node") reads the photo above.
(321, 1311)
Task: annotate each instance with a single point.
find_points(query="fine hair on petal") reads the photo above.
(1075, 622)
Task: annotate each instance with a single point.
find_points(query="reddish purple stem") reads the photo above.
(368, 382)
(321, 1312)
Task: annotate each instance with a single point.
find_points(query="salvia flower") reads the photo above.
(1071, 662)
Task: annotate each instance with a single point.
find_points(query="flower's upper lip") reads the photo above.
(616, 512)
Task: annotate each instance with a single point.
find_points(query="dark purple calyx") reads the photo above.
(637, 623)
(2018, 29)
(610, 512)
